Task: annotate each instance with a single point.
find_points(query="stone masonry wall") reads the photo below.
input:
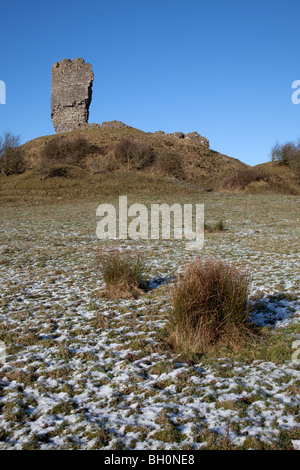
(71, 94)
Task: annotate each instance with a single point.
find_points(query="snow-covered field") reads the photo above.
(83, 372)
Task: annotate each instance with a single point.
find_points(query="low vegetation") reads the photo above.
(109, 361)
(238, 180)
(101, 372)
(216, 227)
(122, 274)
(133, 155)
(61, 151)
(209, 305)
(169, 163)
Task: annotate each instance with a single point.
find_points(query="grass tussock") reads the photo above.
(122, 274)
(212, 228)
(209, 307)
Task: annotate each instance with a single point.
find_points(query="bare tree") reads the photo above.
(287, 154)
(11, 155)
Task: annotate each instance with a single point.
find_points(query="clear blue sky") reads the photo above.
(223, 68)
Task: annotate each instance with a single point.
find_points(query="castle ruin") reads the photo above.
(71, 94)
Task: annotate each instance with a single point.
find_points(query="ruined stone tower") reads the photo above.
(71, 94)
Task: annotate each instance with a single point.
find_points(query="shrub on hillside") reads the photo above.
(61, 152)
(45, 170)
(170, 164)
(66, 150)
(133, 155)
(11, 155)
(101, 163)
(209, 305)
(239, 179)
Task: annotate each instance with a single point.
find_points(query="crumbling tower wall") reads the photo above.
(71, 94)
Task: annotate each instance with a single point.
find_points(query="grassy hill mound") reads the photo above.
(278, 178)
(107, 161)
(167, 155)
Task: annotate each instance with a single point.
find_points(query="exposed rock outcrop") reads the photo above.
(179, 135)
(71, 94)
(190, 136)
(115, 125)
(197, 138)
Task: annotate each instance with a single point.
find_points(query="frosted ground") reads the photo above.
(86, 373)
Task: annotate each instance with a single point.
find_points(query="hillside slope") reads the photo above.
(202, 166)
(277, 178)
(102, 174)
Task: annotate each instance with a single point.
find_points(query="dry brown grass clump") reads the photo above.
(212, 228)
(209, 306)
(122, 274)
(238, 180)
